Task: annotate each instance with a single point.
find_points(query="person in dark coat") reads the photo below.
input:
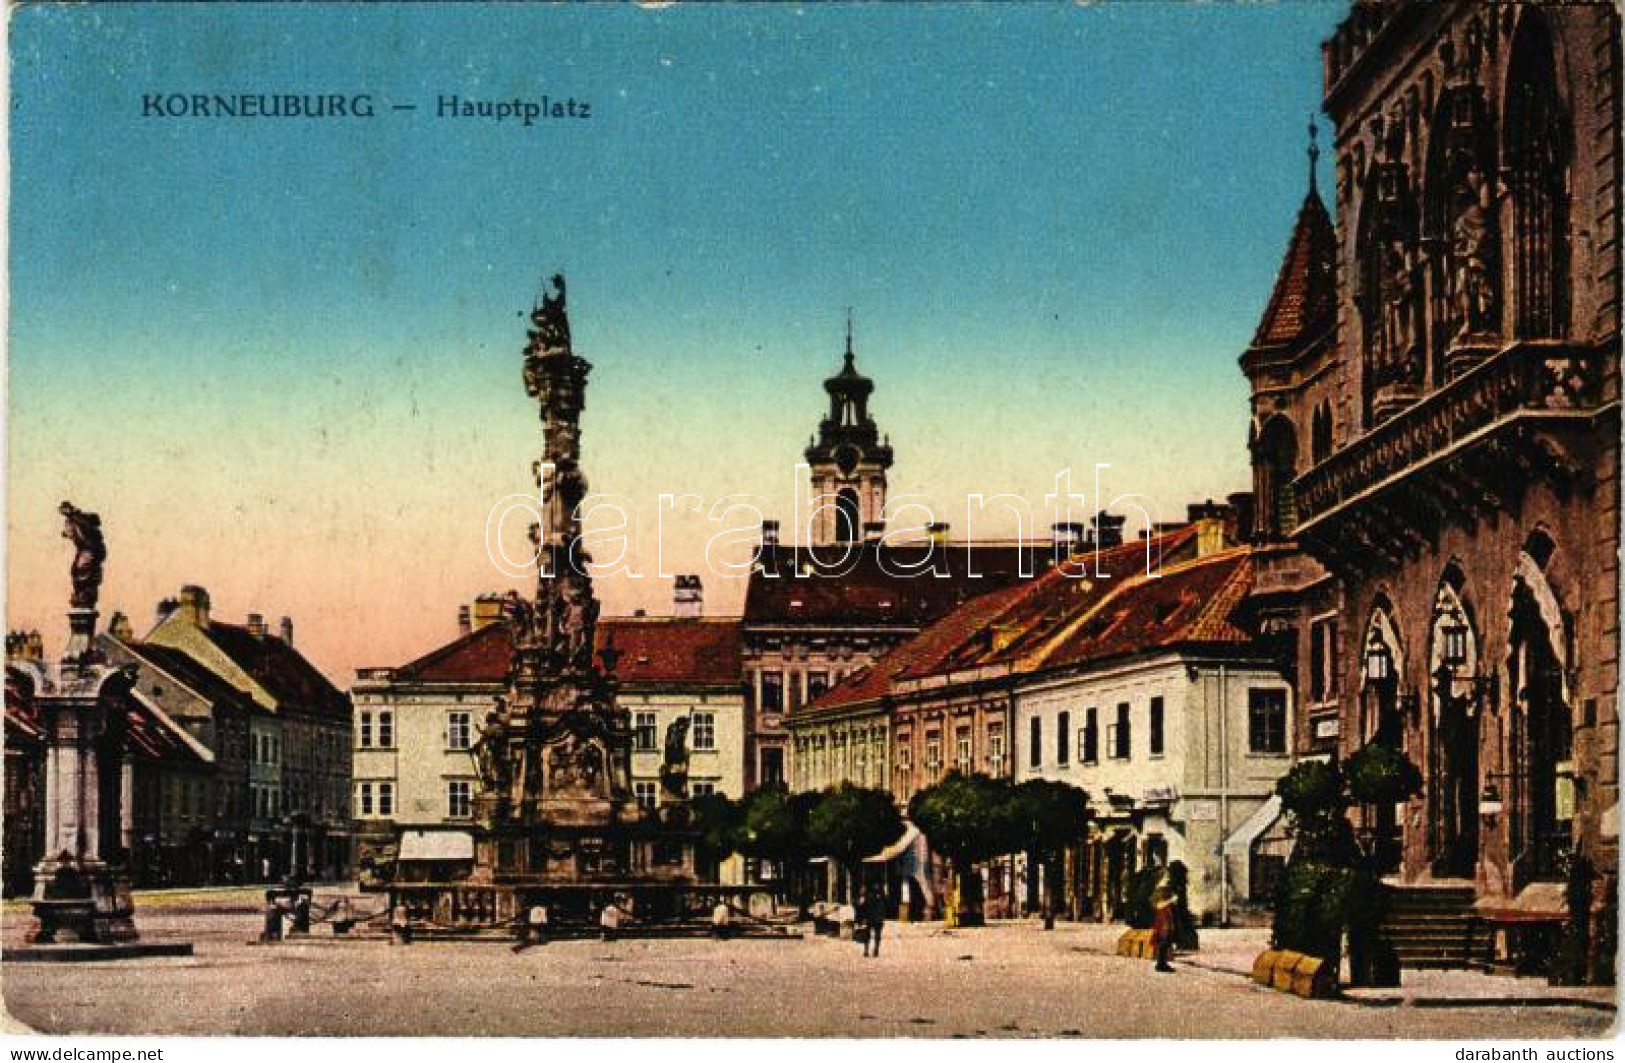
(873, 914)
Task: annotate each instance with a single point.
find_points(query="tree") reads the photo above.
(851, 822)
(967, 819)
(1045, 817)
(719, 822)
(773, 826)
(1331, 884)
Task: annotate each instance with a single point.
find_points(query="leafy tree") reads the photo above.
(1331, 884)
(1045, 817)
(719, 822)
(967, 819)
(851, 822)
(773, 826)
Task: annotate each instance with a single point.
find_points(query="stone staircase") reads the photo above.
(1435, 927)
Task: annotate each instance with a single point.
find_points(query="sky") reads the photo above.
(281, 357)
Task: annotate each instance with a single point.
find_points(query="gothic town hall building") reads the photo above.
(1435, 439)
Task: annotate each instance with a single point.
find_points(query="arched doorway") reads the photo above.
(1453, 775)
(1540, 776)
(1382, 665)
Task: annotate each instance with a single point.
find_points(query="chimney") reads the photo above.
(1239, 527)
(285, 626)
(166, 608)
(688, 598)
(194, 605)
(1108, 529)
(256, 625)
(24, 646)
(119, 628)
(1067, 536)
(770, 533)
(1203, 511)
(487, 610)
(937, 531)
(465, 622)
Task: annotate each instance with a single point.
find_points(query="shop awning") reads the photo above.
(436, 845)
(911, 834)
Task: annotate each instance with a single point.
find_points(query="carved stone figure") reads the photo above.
(674, 768)
(552, 324)
(1472, 243)
(491, 754)
(1399, 308)
(84, 530)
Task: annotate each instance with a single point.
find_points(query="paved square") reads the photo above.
(1010, 980)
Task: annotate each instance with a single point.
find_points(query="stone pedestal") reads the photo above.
(81, 902)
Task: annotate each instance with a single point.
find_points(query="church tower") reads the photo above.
(848, 459)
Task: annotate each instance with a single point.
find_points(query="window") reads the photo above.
(795, 679)
(364, 736)
(645, 792)
(1063, 729)
(1322, 660)
(700, 789)
(1121, 743)
(772, 765)
(905, 755)
(705, 731)
(1156, 727)
(772, 691)
(995, 749)
(643, 737)
(1035, 743)
(386, 799)
(1266, 721)
(386, 730)
(817, 683)
(1091, 738)
(459, 730)
(962, 761)
(459, 798)
(933, 754)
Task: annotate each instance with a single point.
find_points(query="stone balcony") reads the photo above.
(1459, 452)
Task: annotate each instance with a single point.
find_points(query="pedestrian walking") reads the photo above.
(721, 921)
(1163, 901)
(609, 920)
(400, 925)
(533, 930)
(272, 931)
(874, 921)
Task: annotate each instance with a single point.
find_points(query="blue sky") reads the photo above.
(297, 341)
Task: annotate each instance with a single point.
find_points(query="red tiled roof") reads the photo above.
(282, 670)
(1189, 605)
(1304, 302)
(1001, 626)
(876, 589)
(22, 717)
(663, 651)
(1062, 596)
(875, 680)
(155, 739)
(482, 656)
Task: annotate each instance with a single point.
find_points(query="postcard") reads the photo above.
(813, 521)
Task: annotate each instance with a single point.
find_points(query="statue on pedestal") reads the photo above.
(84, 530)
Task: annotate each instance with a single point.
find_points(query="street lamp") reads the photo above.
(1379, 659)
(1455, 645)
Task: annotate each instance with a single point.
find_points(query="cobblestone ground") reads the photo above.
(1010, 980)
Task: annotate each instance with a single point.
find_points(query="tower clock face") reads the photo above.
(846, 458)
